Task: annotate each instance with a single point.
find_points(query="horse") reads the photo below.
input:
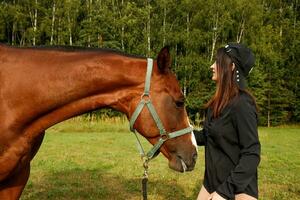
(40, 87)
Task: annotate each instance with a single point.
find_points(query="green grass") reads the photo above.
(89, 160)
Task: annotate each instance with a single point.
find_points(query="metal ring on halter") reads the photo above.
(145, 95)
(165, 136)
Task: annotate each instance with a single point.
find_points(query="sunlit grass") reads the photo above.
(100, 160)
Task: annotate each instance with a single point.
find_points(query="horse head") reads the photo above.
(165, 123)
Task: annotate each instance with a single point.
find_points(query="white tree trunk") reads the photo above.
(70, 29)
(13, 36)
(90, 21)
(52, 23)
(164, 26)
(241, 32)
(122, 28)
(149, 30)
(280, 14)
(214, 37)
(188, 30)
(185, 64)
(35, 24)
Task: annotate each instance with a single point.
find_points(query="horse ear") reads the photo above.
(164, 60)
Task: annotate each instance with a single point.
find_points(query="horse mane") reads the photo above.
(76, 49)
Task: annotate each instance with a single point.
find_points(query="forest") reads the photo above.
(193, 29)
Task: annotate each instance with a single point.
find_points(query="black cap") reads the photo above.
(243, 58)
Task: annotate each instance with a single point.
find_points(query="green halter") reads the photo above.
(164, 136)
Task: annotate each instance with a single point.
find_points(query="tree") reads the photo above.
(193, 29)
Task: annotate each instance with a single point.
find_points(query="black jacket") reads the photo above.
(232, 149)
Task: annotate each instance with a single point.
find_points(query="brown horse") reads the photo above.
(40, 87)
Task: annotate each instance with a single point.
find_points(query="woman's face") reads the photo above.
(213, 67)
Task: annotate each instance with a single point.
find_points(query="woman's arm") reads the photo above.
(245, 120)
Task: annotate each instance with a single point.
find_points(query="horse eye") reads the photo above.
(180, 103)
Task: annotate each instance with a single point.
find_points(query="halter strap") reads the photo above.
(148, 77)
(164, 136)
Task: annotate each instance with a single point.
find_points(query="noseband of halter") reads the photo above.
(145, 100)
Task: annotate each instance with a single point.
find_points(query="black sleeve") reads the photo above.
(245, 120)
(200, 137)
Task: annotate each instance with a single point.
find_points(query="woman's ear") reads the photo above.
(164, 60)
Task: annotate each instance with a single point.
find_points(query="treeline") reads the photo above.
(194, 29)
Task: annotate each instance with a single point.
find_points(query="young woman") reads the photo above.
(232, 147)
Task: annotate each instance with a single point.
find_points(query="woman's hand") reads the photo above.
(215, 196)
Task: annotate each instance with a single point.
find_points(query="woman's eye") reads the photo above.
(179, 104)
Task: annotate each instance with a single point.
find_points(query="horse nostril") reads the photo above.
(195, 156)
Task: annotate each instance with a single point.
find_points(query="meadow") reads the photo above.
(81, 160)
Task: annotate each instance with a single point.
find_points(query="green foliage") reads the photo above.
(194, 29)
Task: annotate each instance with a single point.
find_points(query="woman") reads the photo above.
(232, 147)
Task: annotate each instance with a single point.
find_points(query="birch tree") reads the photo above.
(53, 22)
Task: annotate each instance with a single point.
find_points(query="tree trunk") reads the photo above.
(241, 32)
(122, 28)
(164, 26)
(122, 37)
(294, 28)
(187, 52)
(100, 40)
(114, 11)
(90, 21)
(58, 31)
(149, 30)
(13, 34)
(280, 16)
(35, 24)
(70, 29)
(52, 23)
(22, 40)
(214, 37)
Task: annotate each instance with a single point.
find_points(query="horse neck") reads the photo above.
(110, 80)
(66, 84)
(124, 80)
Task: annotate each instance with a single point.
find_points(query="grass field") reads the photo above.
(89, 160)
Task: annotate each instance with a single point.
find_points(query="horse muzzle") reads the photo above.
(183, 163)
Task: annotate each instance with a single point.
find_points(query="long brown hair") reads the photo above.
(227, 87)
